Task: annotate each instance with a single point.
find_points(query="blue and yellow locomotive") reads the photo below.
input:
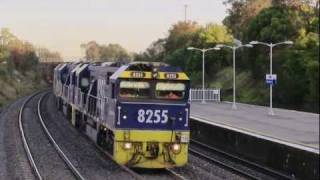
(138, 112)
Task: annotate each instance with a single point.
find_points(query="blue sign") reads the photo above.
(271, 82)
(271, 79)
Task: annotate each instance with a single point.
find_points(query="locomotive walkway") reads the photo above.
(293, 128)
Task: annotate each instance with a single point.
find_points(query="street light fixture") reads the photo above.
(234, 48)
(271, 45)
(203, 54)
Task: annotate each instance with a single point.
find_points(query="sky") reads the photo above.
(62, 25)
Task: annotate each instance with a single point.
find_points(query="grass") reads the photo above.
(247, 89)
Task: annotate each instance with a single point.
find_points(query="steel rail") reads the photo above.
(24, 140)
(73, 169)
(127, 169)
(267, 170)
(222, 164)
(175, 174)
(261, 169)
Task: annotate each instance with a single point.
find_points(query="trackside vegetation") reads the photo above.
(271, 21)
(20, 70)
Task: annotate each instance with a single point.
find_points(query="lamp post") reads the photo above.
(271, 45)
(203, 55)
(234, 48)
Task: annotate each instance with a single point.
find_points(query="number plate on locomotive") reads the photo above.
(137, 74)
(152, 116)
(171, 75)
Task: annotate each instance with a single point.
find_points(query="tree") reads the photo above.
(111, 52)
(241, 12)
(155, 52)
(181, 35)
(45, 55)
(295, 66)
(173, 48)
(214, 33)
(114, 52)
(92, 51)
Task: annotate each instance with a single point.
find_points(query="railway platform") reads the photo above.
(287, 143)
(289, 127)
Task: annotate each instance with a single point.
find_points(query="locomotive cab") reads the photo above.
(152, 114)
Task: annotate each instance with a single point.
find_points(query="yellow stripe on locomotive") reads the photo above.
(155, 75)
(151, 149)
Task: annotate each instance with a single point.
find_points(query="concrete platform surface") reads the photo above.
(294, 128)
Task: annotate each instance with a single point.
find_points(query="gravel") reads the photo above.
(14, 163)
(200, 169)
(236, 165)
(48, 161)
(159, 174)
(196, 168)
(79, 149)
(90, 162)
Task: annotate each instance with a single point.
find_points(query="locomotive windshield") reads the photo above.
(170, 90)
(134, 89)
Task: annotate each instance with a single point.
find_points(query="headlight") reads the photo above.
(127, 145)
(176, 148)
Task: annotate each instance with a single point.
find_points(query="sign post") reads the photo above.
(271, 79)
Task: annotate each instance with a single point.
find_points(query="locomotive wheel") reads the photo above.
(58, 103)
(101, 139)
(80, 122)
(68, 112)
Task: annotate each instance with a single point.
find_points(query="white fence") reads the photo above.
(209, 95)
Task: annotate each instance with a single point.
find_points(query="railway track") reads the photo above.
(165, 174)
(31, 156)
(175, 174)
(74, 170)
(24, 140)
(126, 169)
(33, 163)
(138, 175)
(245, 173)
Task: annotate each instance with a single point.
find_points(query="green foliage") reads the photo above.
(155, 52)
(113, 52)
(287, 20)
(181, 35)
(19, 67)
(271, 21)
(214, 33)
(173, 49)
(110, 52)
(241, 12)
(273, 25)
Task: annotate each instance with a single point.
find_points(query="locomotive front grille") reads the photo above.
(152, 150)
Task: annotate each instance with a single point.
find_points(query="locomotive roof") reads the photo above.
(76, 68)
(115, 75)
(81, 69)
(147, 70)
(62, 66)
